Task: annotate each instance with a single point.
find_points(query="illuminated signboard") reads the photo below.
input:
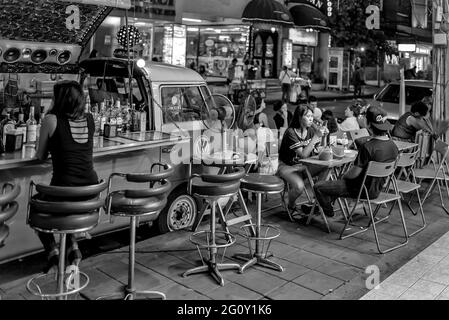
(325, 6)
(287, 53)
(302, 37)
(175, 44)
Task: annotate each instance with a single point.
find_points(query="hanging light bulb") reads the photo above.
(273, 29)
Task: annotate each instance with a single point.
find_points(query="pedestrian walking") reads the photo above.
(286, 83)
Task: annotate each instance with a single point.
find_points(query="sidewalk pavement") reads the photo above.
(275, 93)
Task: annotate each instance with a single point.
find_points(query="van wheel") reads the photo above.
(180, 212)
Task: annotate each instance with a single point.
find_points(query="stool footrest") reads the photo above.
(45, 286)
(240, 219)
(197, 239)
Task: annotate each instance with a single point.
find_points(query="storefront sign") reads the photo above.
(325, 6)
(302, 37)
(155, 9)
(287, 52)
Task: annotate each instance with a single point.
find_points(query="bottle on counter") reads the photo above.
(135, 119)
(87, 106)
(31, 127)
(21, 125)
(103, 117)
(8, 126)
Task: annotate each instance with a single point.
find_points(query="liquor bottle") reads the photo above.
(135, 119)
(21, 126)
(31, 127)
(9, 125)
(119, 116)
(143, 121)
(344, 140)
(103, 118)
(87, 107)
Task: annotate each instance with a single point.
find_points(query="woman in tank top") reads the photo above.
(67, 134)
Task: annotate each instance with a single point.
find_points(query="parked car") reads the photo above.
(388, 97)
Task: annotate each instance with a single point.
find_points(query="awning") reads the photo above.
(307, 16)
(267, 11)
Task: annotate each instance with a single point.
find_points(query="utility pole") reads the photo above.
(440, 61)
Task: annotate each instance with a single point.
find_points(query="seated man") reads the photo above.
(379, 148)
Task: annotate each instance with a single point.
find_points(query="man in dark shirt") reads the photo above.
(379, 148)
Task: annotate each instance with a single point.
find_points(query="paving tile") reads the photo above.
(339, 270)
(390, 289)
(234, 291)
(175, 291)
(358, 260)
(326, 250)
(307, 259)
(257, 280)
(291, 270)
(445, 293)
(375, 295)
(412, 294)
(406, 280)
(318, 282)
(429, 287)
(292, 291)
(436, 275)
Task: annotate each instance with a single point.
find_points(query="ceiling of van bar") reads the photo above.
(45, 21)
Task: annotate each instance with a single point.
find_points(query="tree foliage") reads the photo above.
(348, 30)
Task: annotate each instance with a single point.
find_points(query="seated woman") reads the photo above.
(350, 123)
(67, 134)
(411, 122)
(300, 141)
(329, 118)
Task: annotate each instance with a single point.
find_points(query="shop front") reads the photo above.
(310, 38)
(215, 46)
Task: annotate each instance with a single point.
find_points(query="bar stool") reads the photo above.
(63, 210)
(260, 184)
(135, 203)
(211, 188)
(8, 208)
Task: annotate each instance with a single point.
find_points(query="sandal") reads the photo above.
(74, 255)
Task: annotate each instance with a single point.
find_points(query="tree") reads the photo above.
(348, 30)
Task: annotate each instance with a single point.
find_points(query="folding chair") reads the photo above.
(437, 171)
(424, 141)
(378, 170)
(356, 134)
(406, 182)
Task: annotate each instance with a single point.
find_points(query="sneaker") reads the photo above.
(307, 208)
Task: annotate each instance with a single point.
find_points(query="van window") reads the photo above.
(182, 104)
(412, 94)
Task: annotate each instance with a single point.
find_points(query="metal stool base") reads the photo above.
(258, 260)
(214, 270)
(131, 295)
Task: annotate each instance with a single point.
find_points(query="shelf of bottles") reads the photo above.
(16, 133)
(111, 119)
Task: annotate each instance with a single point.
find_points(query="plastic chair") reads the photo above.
(357, 134)
(63, 210)
(437, 171)
(133, 203)
(408, 183)
(378, 170)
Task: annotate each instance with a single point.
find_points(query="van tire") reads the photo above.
(179, 213)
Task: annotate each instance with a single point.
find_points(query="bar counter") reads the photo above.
(130, 152)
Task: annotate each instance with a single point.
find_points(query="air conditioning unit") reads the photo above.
(12, 51)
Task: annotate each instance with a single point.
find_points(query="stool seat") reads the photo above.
(4, 231)
(63, 222)
(9, 212)
(213, 189)
(121, 204)
(261, 183)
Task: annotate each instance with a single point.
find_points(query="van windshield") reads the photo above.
(412, 94)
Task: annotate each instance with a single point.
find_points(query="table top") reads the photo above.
(348, 158)
(403, 145)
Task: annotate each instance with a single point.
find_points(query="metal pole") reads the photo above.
(130, 94)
